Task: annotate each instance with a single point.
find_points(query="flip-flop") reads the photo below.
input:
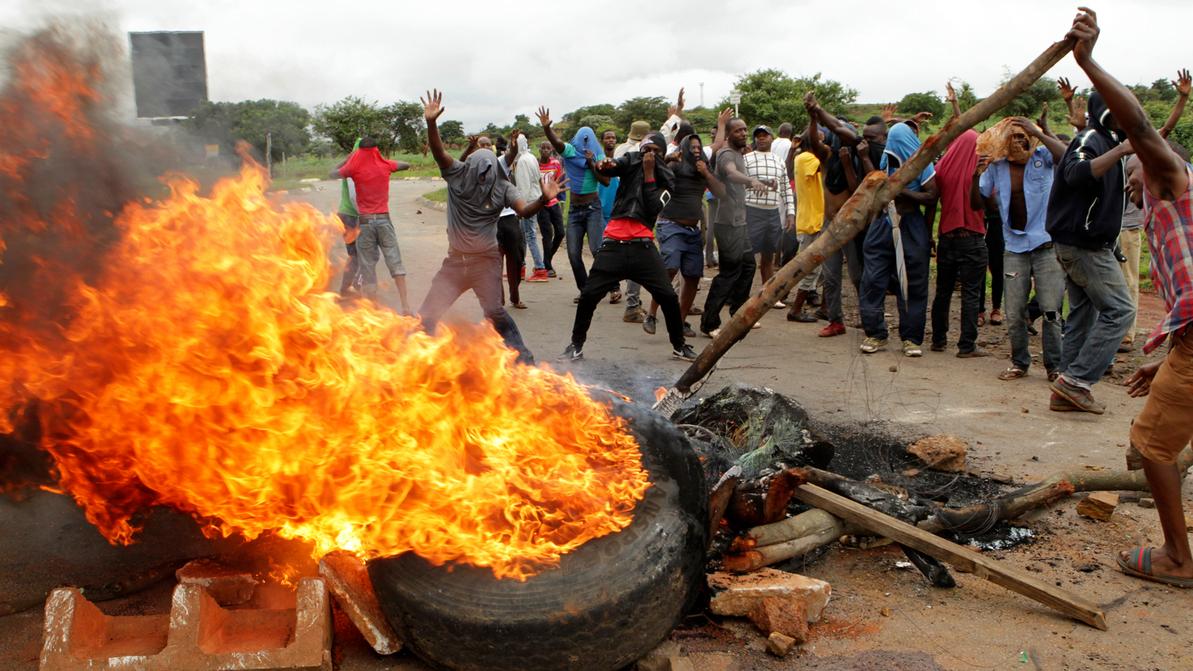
(1143, 568)
(1012, 373)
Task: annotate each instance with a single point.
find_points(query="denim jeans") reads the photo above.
(584, 219)
(482, 274)
(530, 239)
(959, 258)
(879, 274)
(1100, 312)
(1019, 270)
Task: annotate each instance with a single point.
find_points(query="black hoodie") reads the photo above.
(636, 198)
(1083, 210)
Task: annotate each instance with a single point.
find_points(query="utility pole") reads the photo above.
(702, 94)
(269, 153)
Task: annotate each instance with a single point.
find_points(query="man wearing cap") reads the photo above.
(628, 250)
(638, 130)
(767, 211)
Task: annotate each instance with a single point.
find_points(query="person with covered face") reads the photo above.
(1085, 216)
(476, 195)
(528, 182)
(585, 219)
(628, 251)
(1016, 169)
(1161, 182)
(678, 229)
(880, 265)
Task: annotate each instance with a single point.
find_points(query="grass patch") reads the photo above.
(437, 196)
(289, 174)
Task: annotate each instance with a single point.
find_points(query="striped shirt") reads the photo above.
(1169, 225)
(764, 166)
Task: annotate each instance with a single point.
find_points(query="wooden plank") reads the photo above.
(961, 557)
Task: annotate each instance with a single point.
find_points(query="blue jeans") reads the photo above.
(879, 274)
(1100, 312)
(1019, 270)
(482, 274)
(584, 219)
(530, 239)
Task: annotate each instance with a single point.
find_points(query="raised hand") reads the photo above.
(679, 103)
(1085, 30)
(888, 113)
(1066, 89)
(552, 185)
(433, 105)
(950, 95)
(1025, 125)
(921, 117)
(1042, 122)
(810, 103)
(1183, 83)
(544, 116)
(473, 142)
(724, 117)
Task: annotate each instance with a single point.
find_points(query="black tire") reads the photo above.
(606, 604)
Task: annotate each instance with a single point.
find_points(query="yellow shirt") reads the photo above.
(809, 194)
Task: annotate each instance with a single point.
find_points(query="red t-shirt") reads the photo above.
(553, 168)
(370, 172)
(627, 229)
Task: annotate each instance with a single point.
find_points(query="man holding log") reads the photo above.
(1160, 182)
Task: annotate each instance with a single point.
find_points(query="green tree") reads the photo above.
(525, 126)
(926, 101)
(1162, 89)
(772, 96)
(652, 109)
(407, 125)
(1030, 102)
(451, 131)
(703, 119)
(345, 120)
(226, 123)
(965, 96)
(600, 123)
(572, 118)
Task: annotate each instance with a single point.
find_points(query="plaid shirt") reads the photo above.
(1170, 240)
(765, 166)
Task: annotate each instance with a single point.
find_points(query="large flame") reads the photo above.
(205, 367)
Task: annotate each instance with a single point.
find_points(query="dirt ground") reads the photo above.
(1011, 434)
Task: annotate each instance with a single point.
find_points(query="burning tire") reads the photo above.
(605, 605)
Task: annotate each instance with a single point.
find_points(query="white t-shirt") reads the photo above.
(780, 147)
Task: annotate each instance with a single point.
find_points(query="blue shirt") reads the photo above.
(1037, 184)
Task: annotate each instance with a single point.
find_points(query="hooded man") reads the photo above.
(880, 264)
(528, 182)
(1085, 216)
(628, 250)
(476, 194)
(580, 157)
(376, 239)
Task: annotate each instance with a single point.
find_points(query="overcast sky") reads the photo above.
(496, 59)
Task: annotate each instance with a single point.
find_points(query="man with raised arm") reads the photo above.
(1160, 182)
(476, 195)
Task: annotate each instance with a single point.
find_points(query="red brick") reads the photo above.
(786, 616)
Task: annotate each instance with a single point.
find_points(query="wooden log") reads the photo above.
(875, 191)
(960, 557)
(752, 560)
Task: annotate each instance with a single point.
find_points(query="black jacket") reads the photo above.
(635, 198)
(1083, 210)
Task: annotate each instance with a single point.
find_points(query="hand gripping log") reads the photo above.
(872, 195)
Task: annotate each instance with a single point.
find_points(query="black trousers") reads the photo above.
(551, 228)
(994, 249)
(512, 246)
(962, 258)
(731, 286)
(638, 261)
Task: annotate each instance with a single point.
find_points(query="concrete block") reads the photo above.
(1098, 506)
(779, 614)
(349, 583)
(197, 635)
(736, 595)
(228, 586)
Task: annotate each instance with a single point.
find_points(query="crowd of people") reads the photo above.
(1048, 216)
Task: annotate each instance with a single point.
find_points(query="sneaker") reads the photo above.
(696, 310)
(711, 334)
(912, 350)
(614, 297)
(539, 275)
(833, 329)
(650, 325)
(973, 353)
(1059, 403)
(1081, 398)
(1052, 375)
(633, 315)
(688, 332)
(821, 313)
(551, 273)
(686, 353)
(573, 352)
(939, 347)
(801, 317)
(779, 305)
(872, 345)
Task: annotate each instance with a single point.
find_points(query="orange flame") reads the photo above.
(207, 369)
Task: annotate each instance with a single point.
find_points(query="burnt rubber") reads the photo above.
(607, 604)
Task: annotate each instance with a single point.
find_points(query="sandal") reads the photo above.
(982, 318)
(996, 317)
(615, 298)
(1141, 567)
(1012, 373)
